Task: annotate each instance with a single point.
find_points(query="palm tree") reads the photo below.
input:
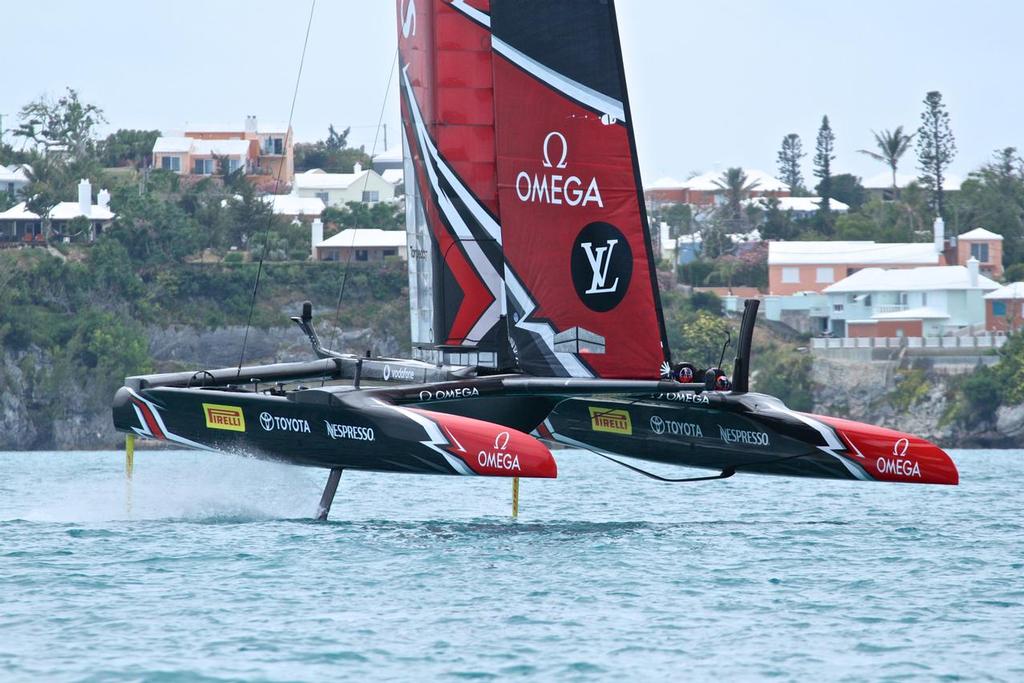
(892, 145)
(737, 185)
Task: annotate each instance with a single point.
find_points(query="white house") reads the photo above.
(20, 225)
(362, 245)
(13, 179)
(338, 189)
(910, 302)
(880, 184)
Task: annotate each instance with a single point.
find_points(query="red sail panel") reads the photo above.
(451, 204)
(582, 292)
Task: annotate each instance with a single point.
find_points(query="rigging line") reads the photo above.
(277, 187)
(366, 180)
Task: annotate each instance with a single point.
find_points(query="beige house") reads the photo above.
(338, 189)
(362, 245)
(264, 150)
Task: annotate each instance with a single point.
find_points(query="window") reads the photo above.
(838, 308)
(867, 301)
(203, 167)
(924, 298)
(903, 298)
(362, 255)
(10, 189)
(371, 196)
(998, 308)
(790, 275)
(851, 271)
(273, 146)
(171, 164)
(234, 165)
(324, 197)
(980, 252)
(825, 275)
(390, 252)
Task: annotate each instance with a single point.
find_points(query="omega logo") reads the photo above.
(900, 448)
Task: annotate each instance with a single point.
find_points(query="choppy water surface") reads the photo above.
(216, 573)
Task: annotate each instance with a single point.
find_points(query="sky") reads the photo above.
(711, 84)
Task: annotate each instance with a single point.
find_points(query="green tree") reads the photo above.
(332, 155)
(64, 127)
(892, 145)
(702, 337)
(846, 188)
(993, 197)
(737, 186)
(128, 148)
(936, 148)
(715, 241)
(777, 224)
(383, 215)
(824, 155)
(788, 159)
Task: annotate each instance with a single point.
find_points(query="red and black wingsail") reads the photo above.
(448, 126)
(518, 132)
(583, 298)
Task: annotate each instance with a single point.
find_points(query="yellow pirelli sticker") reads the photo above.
(606, 420)
(224, 417)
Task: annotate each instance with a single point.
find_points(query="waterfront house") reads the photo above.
(19, 225)
(908, 302)
(265, 149)
(362, 245)
(338, 189)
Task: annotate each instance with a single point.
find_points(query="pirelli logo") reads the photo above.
(614, 421)
(224, 417)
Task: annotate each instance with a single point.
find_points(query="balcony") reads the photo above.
(891, 308)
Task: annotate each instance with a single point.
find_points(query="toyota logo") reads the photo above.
(900, 448)
(657, 425)
(267, 421)
(501, 441)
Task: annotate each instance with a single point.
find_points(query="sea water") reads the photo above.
(207, 567)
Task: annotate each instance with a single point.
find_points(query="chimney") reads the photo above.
(358, 168)
(317, 236)
(103, 198)
(85, 197)
(250, 124)
(939, 230)
(972, 272)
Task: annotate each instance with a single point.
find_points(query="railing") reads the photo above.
(980, 341)
(891, 308)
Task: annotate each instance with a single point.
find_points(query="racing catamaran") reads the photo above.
(535, 313)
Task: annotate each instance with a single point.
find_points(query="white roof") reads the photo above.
(393, 175)
(390, 156)
(883, 181)
(801, 204)
(934, 278)
(65, 211)
(15, 173)
(860, 252)
(709, 182)
(1014, 290)
(18, 212)
(666, 183)
(919, 313)
(181, 145)
(366, 238)
(172, 144)
(290, 205)
(316, 179)
(980, 234)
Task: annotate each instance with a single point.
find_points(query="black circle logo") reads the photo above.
(602, 265)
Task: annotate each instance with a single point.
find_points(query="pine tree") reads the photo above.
(823, 156)
(935, 147)
(789, 163)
